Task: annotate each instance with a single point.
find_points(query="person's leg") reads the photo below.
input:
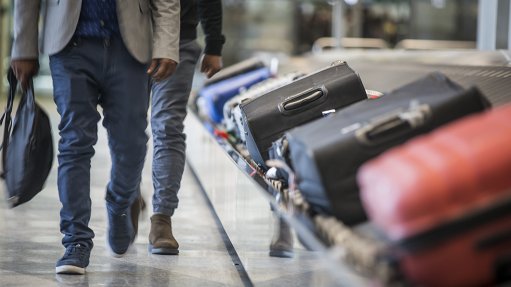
(76, 96)
(168, 111)
(125, 100)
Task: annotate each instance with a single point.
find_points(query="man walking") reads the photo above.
(100, 54)
(168, 112)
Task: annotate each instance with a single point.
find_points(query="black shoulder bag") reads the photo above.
(27, 154)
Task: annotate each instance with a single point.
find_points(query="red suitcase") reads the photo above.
(444, 200)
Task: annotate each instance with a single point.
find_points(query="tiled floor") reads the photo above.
(30, 239)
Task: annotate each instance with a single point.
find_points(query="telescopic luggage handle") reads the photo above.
(394, 126)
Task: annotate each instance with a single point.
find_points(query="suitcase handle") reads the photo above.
(301, 100)
(394, 126)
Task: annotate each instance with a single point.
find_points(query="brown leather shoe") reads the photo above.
(161, 240)
(136, 208)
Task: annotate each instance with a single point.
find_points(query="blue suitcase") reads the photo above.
(239, 68)
(216, 95)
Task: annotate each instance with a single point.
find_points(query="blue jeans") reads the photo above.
(87, 73)
(168, 111)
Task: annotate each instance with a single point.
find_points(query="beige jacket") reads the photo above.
(149, 28)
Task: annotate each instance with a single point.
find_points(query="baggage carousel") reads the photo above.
(247, 203)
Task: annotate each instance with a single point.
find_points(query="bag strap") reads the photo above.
(13, 84)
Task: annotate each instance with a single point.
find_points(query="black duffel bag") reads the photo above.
(27, 154)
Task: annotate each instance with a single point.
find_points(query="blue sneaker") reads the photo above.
(120, 232)
(74, 261)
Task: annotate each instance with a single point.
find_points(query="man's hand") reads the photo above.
(24, 70)
(211, 65)
(161, 69)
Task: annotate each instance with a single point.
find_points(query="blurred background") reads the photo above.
(292, 27)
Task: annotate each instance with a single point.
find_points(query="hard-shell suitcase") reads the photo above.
(279, 150)
(232, 112)
(327, 153)
(239, 68)
(216, 95)
(266, 118)
(444, 200)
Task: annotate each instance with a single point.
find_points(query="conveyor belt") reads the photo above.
(234, 187)
(390, 69)
(494, 82)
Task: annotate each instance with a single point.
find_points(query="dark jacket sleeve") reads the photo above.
(210, 17)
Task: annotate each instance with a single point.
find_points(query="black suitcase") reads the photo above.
(327, 153)
(236, 69)
(266, 118)
(232, 113)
